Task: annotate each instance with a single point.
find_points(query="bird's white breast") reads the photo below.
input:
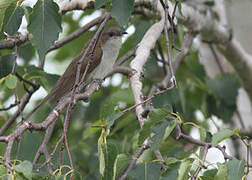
(110, 52)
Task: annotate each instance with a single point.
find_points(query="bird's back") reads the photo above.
(66, 82)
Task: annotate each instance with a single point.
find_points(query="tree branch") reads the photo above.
(23, 101)
(10, 43)
(67, 5)
(138, 153)
(142, 54)
(76, 33)
(43, 125)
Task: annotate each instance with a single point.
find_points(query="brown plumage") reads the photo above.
(67, 80)
(65, 83)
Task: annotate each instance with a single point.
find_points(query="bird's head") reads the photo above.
(112, 36)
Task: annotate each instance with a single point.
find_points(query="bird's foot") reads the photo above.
(99, 81)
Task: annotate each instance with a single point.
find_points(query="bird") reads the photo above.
(104, 57)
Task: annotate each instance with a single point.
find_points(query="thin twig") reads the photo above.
(43, 147)
(225, 155)
(43, 125)
(190, 139)
(173, 79)
(149, 98)
(10, 43)
(239, 117)
(76, 33)
(19, 76)
(19, 146)
(196, 173)
(174, 10)
(217, 59)
(91, 47)
(13, 73)
(63, 138)
(162, 56)
(23, 101)
(48, 160)
(170, 19)
(15, 61)
(161, 159)
(9, 107)
(247, 155)
(61, 154)
(121, 69)
(137, 154)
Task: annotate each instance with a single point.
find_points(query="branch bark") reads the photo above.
(142, 54)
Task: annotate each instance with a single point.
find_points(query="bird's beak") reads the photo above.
(123, 32)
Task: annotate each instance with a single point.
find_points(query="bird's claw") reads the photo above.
(99, 81)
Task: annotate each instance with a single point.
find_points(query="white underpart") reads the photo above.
(110, 52)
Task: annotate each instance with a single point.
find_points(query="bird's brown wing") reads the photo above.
(67, 80)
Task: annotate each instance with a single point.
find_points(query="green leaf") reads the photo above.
(184, 169)
(26, 52)
(123, 95)
(27, 13)
(209, 174)
(11, 81)
(100, 3)
(220, 136)
(209, 3)
(235, 169)
(197, 97)
(6, 3)
(166, 100)
(45, 79)
(101, 156)
(3, 170)
(110, 114)
(120, 162)
(123, 122)
(121, 10)
(193, 70)
(25, 168)
(171, 171)
(90, 131)
(155, 116)
(6, 63)
(145, 171)
(220, 109)
(2, 12)
(159, 131)
(169, 129)
(45, 25)
(12, 19)
(225, 88)
(222, 172)
(180, 8)
(110, 153)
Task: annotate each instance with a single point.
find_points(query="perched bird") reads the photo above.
(105, 54)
